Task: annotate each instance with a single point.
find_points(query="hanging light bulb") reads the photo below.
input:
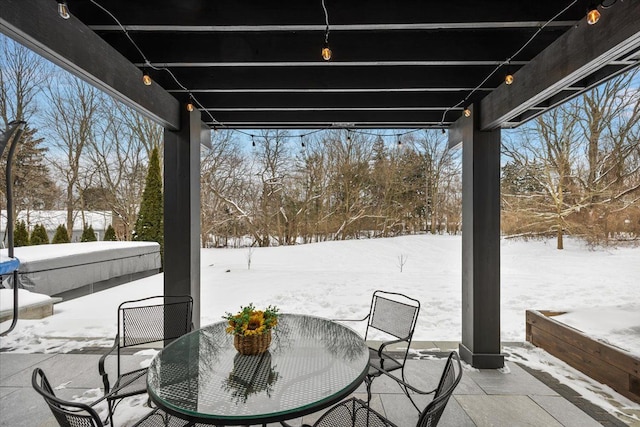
(63, 9)
(466, 112)
(326, 52)
(508, 79)
(399, 141)
(348, 136)
(253, 142)
(190, 106)
(146, 79)
(593, 16)
(301, 141)
(443, 131)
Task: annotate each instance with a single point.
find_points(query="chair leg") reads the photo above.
(406, 391)
(368, 381)
(110, 405)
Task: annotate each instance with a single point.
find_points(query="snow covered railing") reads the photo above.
(605, 363)
(69, 270)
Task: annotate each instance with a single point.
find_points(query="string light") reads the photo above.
(593, 16)
(508, 79)
(301, 141)
(253, 141)
(348, 136)
(326, 51)
(466, 112)
(146, 79)
(63, 9)
(399, 140)
(190, 106)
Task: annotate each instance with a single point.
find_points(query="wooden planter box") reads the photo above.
(609, 365)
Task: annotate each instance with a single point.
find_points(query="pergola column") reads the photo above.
(182, 210)
(480, 345)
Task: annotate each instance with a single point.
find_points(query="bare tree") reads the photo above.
(311, 189)
(548, 150)
(610, 124)
(576, 169)
(22, 74)
(72, 119)
(222, 171)
(402, 260)
(386, 182)
(119, 157)
(349, 156)
(441, 168)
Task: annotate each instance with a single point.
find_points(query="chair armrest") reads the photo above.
(403, 383)
(351, 320)
(386, 343)
(101, 368)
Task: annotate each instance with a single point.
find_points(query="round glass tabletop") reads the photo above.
(311, 363)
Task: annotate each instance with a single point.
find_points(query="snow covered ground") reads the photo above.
(336, 279)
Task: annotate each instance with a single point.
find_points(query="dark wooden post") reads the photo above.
(480, 345)
(182, 210)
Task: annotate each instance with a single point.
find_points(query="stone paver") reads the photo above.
(505, 411)
(563, 411)
(483, 398)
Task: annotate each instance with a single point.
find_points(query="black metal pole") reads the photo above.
(12, 134)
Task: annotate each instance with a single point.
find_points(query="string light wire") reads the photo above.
(217, 123)
(507, 61)
(148, 63)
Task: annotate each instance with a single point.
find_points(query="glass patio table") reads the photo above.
(311, 364)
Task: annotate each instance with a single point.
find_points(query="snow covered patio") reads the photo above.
(509, 397)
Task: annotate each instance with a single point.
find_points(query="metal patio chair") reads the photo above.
(392, 315)
(75, 414)
(354, 412)
(148, 320)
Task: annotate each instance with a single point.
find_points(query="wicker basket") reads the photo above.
(253, 344)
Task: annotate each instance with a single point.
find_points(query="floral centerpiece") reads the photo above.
(251, 328)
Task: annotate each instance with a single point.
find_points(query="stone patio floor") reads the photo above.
(520, 397)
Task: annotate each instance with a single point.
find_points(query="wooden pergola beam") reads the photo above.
(74, 47)
(573, 56)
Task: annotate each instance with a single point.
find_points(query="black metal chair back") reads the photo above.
(354, 412)
(68, 414)
(153, 319)
(394, 317)
(430, 417)
(143, 321)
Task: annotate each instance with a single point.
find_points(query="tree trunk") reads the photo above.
(560, 241)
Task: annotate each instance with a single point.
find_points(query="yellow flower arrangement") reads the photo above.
(249, 321)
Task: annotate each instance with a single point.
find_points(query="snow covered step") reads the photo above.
(31, 306)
